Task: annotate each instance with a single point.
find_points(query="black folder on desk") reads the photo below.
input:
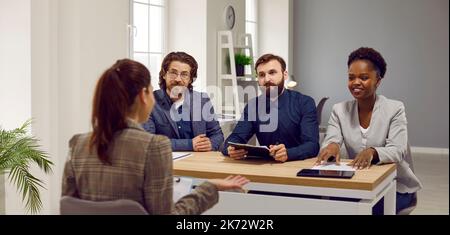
(261, 152)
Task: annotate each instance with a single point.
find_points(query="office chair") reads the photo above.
(75, 206)
(409, 209)
(320, 108)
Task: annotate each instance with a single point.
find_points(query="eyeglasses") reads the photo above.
(183, 75)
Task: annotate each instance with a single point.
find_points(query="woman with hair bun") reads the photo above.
(120, 160)
(372, 127)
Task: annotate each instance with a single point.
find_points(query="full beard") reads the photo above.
(271, 86)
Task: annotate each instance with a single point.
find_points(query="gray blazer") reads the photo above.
(387, 133)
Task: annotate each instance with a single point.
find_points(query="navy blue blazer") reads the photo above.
(162, 123)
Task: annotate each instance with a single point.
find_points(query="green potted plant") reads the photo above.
(17, 151)
(241, 61)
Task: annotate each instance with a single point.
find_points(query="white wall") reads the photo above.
(413, 37)
(44, 88)
(275, 24)
(187, 32)
(73, 42)
(15, 80)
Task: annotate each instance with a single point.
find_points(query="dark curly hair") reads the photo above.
(369, 54)
(180, 57)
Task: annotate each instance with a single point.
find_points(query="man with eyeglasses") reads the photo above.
(185, 116)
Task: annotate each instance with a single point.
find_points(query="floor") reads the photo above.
(433, 172)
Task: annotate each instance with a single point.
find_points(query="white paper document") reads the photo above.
(179, 155)
(333, 166)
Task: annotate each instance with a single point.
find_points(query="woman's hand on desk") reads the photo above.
(230, 183)
(364, 159)
(237, 154)
(332, 150)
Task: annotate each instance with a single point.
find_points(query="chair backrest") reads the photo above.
(408, 210)
(320, 108)
(75, 206)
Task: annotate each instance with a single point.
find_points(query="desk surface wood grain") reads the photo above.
(214, 165)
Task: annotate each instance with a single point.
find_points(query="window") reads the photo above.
(251, 22)
(251, 27)
(148, 39)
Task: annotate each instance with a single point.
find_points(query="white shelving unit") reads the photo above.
(225, 42)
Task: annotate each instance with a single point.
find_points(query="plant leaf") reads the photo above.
(17, 152)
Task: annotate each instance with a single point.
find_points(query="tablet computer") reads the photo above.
(253, 151)
(326, 173)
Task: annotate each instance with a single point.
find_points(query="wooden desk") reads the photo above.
(356, 195)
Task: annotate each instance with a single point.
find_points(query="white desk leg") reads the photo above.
(365, 207)
(390, 199)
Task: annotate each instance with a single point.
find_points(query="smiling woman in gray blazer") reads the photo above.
(372, 127)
